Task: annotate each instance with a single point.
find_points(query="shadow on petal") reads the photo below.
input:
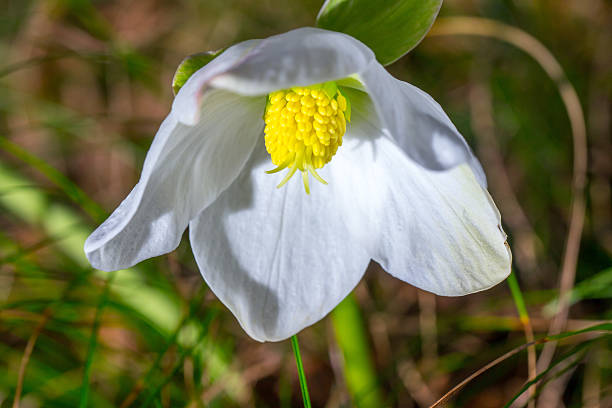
(255, 304)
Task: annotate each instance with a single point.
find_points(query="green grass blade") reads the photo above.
(519, 301)
(160, 308)
(64, 183)
(203, 328)
(148, 377)
(605, 327)
(359, 369)
(517, 296)
(300, 367)
(580, 347)
(93, 342)
(598, 286)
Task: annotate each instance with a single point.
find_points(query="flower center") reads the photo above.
(304, 127)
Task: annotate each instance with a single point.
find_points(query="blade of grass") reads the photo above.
(580, 347)
(606, 327)
(46, 316)
(22, 252)
(301, 374)
(64, 183)
(519, 302)
(187, 351)
(101, 57)
(557, 377)
(26, 356)
(93, 342)
(351, 335)
(160, 308)
(598, 286)
(146, 379)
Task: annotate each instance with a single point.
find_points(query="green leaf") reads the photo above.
(390, 28)
(598, 286)
(190, 65)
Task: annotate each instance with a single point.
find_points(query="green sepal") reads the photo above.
(330, 88)
(190, 65)
(351, 82)
(390, 28)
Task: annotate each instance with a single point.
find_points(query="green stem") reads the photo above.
(517, 295)
(519, 301)
(300, 368)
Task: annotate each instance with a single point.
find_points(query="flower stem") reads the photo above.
(301, 374)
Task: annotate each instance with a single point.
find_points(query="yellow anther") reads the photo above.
(307, 101)
(275, 97)
(341, 102)
(304, 127)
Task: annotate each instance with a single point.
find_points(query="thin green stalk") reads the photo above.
(517, 295)
(519, 301)
(300, 368)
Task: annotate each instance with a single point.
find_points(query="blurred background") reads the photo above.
(84, 85)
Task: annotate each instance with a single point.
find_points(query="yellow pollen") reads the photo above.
(304, 127)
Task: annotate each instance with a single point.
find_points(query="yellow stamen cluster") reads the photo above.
(304, 127)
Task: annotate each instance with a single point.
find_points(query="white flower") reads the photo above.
(404, 189)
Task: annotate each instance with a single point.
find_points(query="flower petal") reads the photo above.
(301, 57)
(417, 123)
(442, 231)
(279, 259)
(438, 230)
(186, 168)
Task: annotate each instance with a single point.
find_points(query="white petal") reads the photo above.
(417, 123)
(186, 168)
(279, 259)
(300, 57)
(438, 230)
(442, 230)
